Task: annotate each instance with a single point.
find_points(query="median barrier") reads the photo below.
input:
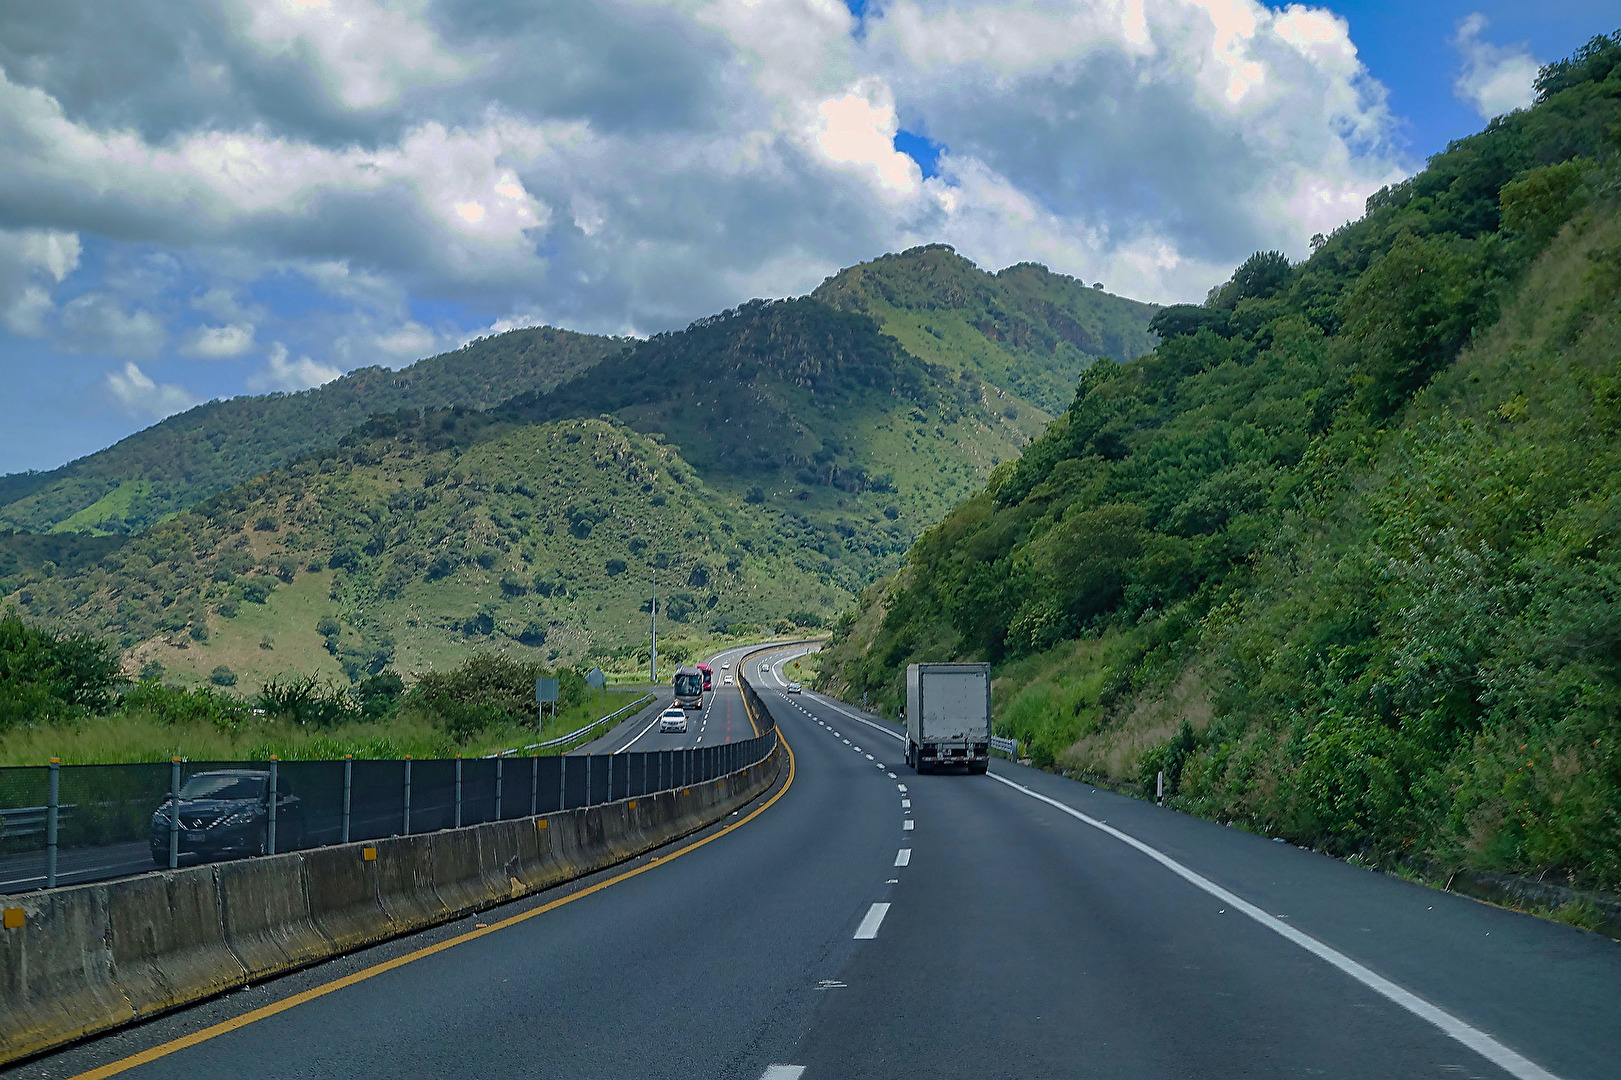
(405, 883)
(56, 976)
(266, 912)
(167, 940)
(89, 958)
(458, 877)
(345, 896)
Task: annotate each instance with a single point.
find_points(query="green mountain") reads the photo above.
(188, 457)
(1025, 329)
(1342, 556)
(763, 464)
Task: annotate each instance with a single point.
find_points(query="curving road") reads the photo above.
(866, 922)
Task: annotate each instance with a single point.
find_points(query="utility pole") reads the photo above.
(653, 637)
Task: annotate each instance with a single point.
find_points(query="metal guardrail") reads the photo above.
(28, 820)
(577, 732)
(1010, 747)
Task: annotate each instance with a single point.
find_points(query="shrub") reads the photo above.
(45, 675)
(307, 701)
(222, 676)
(489, 689)
(174, 705)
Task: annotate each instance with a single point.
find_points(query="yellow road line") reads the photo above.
(266, 1011)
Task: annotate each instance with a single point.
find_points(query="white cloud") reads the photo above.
(858, 128)
(98, 322)
(288, 376)
(218, 342)
(366, 54)
(1495, 79)
(32, 261)
(410, 340)
(139, 396)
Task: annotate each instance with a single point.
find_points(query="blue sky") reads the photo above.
(215, 197)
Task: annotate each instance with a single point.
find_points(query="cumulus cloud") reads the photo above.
(99, 323)
(138, 395)
(218, 342)
(1495, 79)
(32, 263)
(288, 376)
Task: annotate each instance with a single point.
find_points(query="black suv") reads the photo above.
(225, 814)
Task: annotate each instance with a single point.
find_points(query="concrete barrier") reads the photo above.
(56, 975)
(167, 939)
(345, 896)
(89, 958)
(266, 911)
(405, 883)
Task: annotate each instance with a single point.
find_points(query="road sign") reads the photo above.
(545, 690)
(595, 678)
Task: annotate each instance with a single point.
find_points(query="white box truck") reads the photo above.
(948, 716)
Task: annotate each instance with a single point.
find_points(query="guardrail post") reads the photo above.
(53, 805)
(174, 813)
(458, 791)
(348, 790)
(534, 785)
(270, 824)
(405, 829)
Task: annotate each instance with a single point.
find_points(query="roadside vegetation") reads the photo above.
(63, 696)
(1340, 557)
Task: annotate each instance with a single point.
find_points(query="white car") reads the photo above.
(728, 680)
(726, 667)
(793, 688)
(673, 720)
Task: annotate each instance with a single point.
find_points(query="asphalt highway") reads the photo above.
(869, 922)
(721, 720)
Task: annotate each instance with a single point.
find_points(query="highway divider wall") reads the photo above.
(89, 958)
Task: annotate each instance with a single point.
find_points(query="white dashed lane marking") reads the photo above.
(903, 857)
(783, 1072)
(871, 922)
(907, 825)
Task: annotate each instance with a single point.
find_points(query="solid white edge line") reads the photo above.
(783, 1072)
(1472, 1037)
(871, 922)
(903, 857)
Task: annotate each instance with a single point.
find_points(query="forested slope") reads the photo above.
(210, 448)
(1342, 556)
(1025, 328)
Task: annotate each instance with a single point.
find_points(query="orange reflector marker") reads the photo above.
(14, 918)
(542, 823)
(369, 854)
(633, 804)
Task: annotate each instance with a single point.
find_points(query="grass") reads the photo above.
(287, 619)
(121, 738)
(801, 669)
